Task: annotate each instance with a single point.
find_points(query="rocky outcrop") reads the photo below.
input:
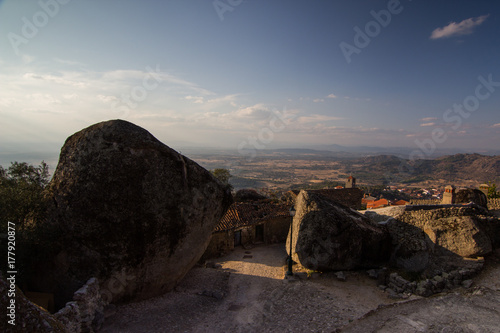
(85, 313)
(130, 211)
(23, 315)
(472, 195)
(329, 236)
(430, 240)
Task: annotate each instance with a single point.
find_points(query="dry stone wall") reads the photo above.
(85, 314)
(494, 204)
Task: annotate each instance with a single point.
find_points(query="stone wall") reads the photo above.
(85, 314)
(425, 202)
(494, 204)
(398, 287)
(276, 230)
(221, 243)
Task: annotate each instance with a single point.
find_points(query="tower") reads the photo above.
(449, 195)
(351, 182)
(484, 188)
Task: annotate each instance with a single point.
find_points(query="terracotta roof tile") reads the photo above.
(242, 214)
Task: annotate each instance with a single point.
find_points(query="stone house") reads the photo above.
(400, 203)
(249, 223)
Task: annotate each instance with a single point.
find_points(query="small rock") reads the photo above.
(467, 283)
(382, 287)
(340, 276)
(392, 294)
(218, 295)
(372, 274)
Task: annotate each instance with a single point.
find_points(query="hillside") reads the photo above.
(459, 168)
(304, 168)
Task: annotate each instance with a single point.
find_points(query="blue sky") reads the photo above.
(242, 74)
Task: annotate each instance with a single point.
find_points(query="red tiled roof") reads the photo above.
(241, 214)
(377, 203)
(400, 203)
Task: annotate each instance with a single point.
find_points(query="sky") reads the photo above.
(252, 75)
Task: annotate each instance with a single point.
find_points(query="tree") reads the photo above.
(492, 191)
(21, 192)
(23, 204)
(223, 175)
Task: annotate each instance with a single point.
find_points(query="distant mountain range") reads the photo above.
(458, 168)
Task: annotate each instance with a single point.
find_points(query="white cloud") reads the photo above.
(331, 96)
(69, 62)
(496, 125)
(107, 99)
(27, 59)
(427, 119)
(427, 124)
(257, 111)
(195, 99)
(458, 29)
(318, 100)
(316, 118)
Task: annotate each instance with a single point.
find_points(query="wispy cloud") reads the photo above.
(69, 62)
(195, 99)
(427, 124)
(318, 100)
(496, 125)
(465, 27)
(427, 119)
(316, 118)
(331, 96)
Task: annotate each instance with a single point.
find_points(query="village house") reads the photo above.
(377, 204)
(367, 199)
(350, 196)
(399, 203)
(247, 223)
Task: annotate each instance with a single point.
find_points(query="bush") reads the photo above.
(22, 202)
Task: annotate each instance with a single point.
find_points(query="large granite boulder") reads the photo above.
(329, 236)
(429, 240)
(128, 210)
(472, 195)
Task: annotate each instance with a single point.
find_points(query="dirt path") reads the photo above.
(247, 293)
